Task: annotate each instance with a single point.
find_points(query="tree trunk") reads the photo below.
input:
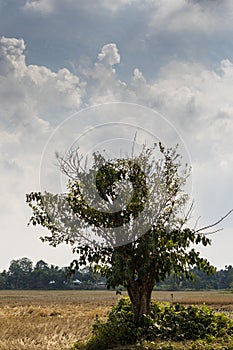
(140, 296)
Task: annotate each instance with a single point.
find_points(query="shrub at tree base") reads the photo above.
(167, 321)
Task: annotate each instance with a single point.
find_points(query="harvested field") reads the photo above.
(220, 300)
(54, 320)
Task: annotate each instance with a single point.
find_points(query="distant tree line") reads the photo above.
(222, 279)
(23, 275)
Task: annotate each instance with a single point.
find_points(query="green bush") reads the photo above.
(167, 321)
(177, 322)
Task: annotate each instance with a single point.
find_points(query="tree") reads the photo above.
(40, 276)
(126, 219)
(3, 280)
(19, 273)
(41, 265)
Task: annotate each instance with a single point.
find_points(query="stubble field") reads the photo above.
(54, 320)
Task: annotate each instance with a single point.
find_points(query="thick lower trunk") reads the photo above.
(140, 296)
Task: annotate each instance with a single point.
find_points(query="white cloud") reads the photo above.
(109, 54)
(12, 56)
(190, 95)
(32, 99)
(101, 79)
(35, 90)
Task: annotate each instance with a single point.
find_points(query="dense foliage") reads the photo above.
(167, 321)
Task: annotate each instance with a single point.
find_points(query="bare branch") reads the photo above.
(211, 232)
(216, 223)
(196, 222)
(134, 141)
(188, 215)
(70, 163)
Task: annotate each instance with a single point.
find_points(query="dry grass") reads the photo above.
(54, 320)
(216, 299)
(49, 319)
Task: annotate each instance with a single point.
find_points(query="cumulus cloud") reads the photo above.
(192, 96)
(12, 56)
(35, 90)
(109, 54)
(33, 99)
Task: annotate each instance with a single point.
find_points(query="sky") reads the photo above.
(63, 62)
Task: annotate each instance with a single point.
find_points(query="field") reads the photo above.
(54, 320)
